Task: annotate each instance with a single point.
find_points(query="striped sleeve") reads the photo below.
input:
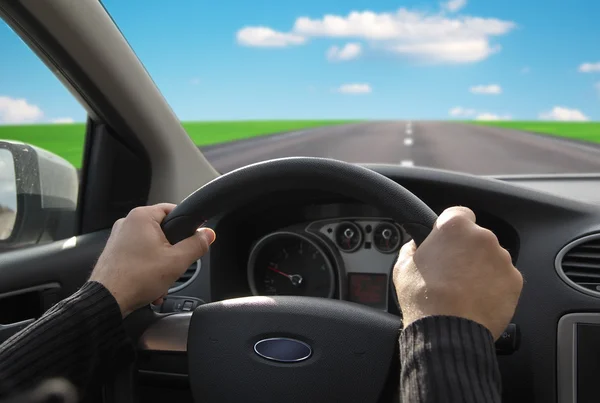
(448, 359)
(76, 339)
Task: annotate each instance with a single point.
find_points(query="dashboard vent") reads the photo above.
(190, 275)
(578, 264)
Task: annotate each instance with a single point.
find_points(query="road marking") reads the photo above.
(408, 141)
(407, 163)
(408, 131)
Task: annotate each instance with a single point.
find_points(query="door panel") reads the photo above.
(35, 278)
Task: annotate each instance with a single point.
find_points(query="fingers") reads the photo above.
(160, 300)
(407, 251)
(454, 215)
(155, 212)
(406, 254)
(194, 247)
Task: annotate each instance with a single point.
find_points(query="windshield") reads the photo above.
(475, 86)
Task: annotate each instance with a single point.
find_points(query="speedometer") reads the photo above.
(286, 263)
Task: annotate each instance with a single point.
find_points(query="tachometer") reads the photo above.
(286, 263)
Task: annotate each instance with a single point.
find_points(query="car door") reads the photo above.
(65, 176)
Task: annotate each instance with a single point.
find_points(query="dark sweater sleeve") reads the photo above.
(448, 359)
(75, 339)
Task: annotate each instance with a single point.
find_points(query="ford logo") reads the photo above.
(282, 349)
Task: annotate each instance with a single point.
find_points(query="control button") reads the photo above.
(188, 306)
(178, 305)
(509, 341)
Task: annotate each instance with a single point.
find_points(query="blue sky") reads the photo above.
(222, 60)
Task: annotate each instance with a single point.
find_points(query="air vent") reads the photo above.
(578, 264)
(190, 275)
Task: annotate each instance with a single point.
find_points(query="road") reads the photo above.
(455, 146)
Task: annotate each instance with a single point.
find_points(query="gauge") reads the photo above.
(286, 263)
(348, 236)
(386, 237)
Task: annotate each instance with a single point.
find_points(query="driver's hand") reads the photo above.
(138, 264)
(459, 270)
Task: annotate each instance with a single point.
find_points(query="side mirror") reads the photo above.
(38, 196)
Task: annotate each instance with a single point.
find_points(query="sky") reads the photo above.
(361, 59)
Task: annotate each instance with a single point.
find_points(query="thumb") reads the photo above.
(194, 247)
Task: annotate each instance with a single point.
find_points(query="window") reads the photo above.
(42, 133)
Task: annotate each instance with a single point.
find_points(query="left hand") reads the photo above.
(138, 264)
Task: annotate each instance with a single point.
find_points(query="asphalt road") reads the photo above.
(454, 146)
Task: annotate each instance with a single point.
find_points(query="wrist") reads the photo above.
(118, 297)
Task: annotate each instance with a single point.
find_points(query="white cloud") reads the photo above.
(589, 67)
(491, 89)
(350, 51)
(62, 120)
(454, 5)
(564, 114)
(448, 50)
(195, 81)
(492, 116)
(355, 88)
(431, 38)
(18, 110)
(525, 70)
(267, 37)
(459, 111)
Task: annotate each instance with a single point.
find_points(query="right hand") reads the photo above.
(459, 270)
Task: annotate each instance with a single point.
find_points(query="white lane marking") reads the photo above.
(408, 131)
(406, 163)
(408, 141)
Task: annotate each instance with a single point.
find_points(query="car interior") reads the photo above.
(338, 223)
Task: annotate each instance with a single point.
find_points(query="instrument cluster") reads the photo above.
(346, 258)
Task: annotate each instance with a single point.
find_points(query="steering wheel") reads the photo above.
(284, 348)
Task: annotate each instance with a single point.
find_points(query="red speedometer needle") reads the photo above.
(279, 272)
(296, 279)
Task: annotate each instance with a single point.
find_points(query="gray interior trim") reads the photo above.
(169, 333)
(567, 353)
(558, 264)
(190, 281)
(552, 177)
(41, 287)
(89, 35)
(162, 374)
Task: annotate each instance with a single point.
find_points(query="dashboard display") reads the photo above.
(368, 289)
(286, 263)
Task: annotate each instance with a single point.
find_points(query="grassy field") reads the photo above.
(588, 131)
(67, 140)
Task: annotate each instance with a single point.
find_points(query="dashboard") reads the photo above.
(303, 242)
(317, 244)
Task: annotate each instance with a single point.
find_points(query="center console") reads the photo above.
(578, 354)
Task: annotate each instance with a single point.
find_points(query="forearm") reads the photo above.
(448, 359)
(78, 335)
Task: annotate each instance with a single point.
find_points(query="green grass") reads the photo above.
(67, 140)
(588, 131)
(206, 133)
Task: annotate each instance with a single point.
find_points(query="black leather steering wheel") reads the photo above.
(282, 348)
